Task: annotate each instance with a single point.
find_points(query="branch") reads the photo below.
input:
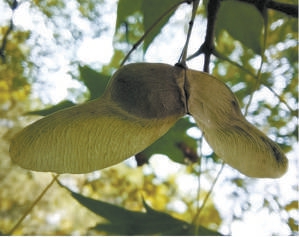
(289, 9)
(286, 8)
(150, 29)
(13, 7)
(4, 41)
(33, 204)
(183, 57)
(207, 47)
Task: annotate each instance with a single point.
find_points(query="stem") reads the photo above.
(224, 58)
(286, 8)
(13, 7)
(33, 205)
(208, 45)
(211, 189)
(151, 28)
(195, 219)
(183, 57)
(259, 73)
(289, 9)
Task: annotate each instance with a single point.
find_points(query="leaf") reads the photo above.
(242, 21)
(62, 105)
(126, 8)
(170, 144)
(293, 224)
(94, 81)
(292, 205)
(125, 222)
(152, 10)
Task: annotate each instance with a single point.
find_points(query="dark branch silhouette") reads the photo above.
(13, 7)
(207, 48)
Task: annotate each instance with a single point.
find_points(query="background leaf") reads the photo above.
(44, 112)
(171, 144)
(126, 8)
(150, 10)
(242, 21)
(94, 81)
(125, 222)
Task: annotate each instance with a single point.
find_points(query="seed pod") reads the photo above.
(140, 104)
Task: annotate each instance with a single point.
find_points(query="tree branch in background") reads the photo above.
(289, 9)
(183, 57)
(13, 7)
(207, 47)
(152, 27)
(4, 41)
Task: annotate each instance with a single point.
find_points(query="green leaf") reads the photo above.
(94, 81)
(126, 8)
(242, 21)
(62, 105)
(173, 142)
(152, 10)
(125, 222)
(293, 205)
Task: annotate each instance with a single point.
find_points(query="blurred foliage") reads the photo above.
(254, 59)
(233, 16)
(175, 144)
(151, 222)
(14, 85)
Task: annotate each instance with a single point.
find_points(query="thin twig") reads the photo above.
(198, 189)
(224, 58)
(33, 205)
(150, 29)
(208, 195)
(259, 73)
(13, 7)
(183, 57)
(208, 45)
(289, 9)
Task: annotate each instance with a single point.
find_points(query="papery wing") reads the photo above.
(85, 138)
(241, 145)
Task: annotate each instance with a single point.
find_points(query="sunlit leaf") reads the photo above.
(242, 21)
(94, 81)
(152, 10)
(293, 224)
(126, 8)
(292, 205)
